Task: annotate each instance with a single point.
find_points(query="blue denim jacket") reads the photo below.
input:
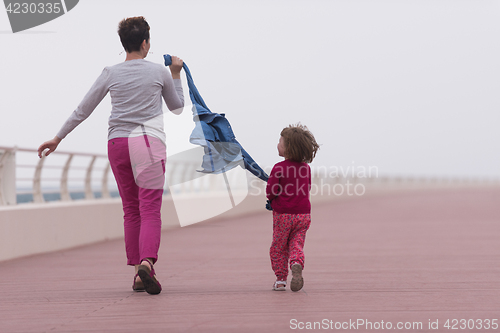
(213, 131)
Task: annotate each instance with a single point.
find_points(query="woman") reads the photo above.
(136, 141)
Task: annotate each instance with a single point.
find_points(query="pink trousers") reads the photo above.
(289, 235)
(138, 165)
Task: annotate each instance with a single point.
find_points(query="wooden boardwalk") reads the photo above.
(393, 259)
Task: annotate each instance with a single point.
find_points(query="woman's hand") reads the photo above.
(176, 67)
(51, 145)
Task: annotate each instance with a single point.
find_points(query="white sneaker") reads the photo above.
(279, 286)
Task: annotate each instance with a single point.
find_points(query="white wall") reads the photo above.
(29, 229)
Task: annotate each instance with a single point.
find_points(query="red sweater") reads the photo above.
(288, 188)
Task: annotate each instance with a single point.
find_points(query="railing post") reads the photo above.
(192, 168)
(171, 173)
(104, 189)
(88, 180)
(37, 181)
(64, 180)
(184, 178)
(212, 187)
(3, 156)
(8, 177)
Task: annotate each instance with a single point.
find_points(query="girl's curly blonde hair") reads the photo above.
(300, 144)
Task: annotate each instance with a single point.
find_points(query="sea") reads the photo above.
(56, 196)
(23, 198)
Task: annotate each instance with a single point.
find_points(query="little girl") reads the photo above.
(288, 192)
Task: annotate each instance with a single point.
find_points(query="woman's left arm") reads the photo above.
(51, 145)
(93, 97)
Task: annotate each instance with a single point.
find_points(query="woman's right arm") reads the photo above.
(172, 87)
(176, 67)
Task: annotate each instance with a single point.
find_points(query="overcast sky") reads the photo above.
(410, 87)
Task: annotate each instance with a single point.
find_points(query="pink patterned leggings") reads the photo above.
(289, 235)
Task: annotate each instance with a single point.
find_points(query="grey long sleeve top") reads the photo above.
(136, 88)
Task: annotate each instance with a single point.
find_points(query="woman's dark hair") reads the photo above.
(300, 144)
(132, 32)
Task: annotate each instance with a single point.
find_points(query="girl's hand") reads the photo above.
(51, 145)
(176, 67)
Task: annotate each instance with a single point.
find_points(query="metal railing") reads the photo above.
(9, 167)
(178, 172)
